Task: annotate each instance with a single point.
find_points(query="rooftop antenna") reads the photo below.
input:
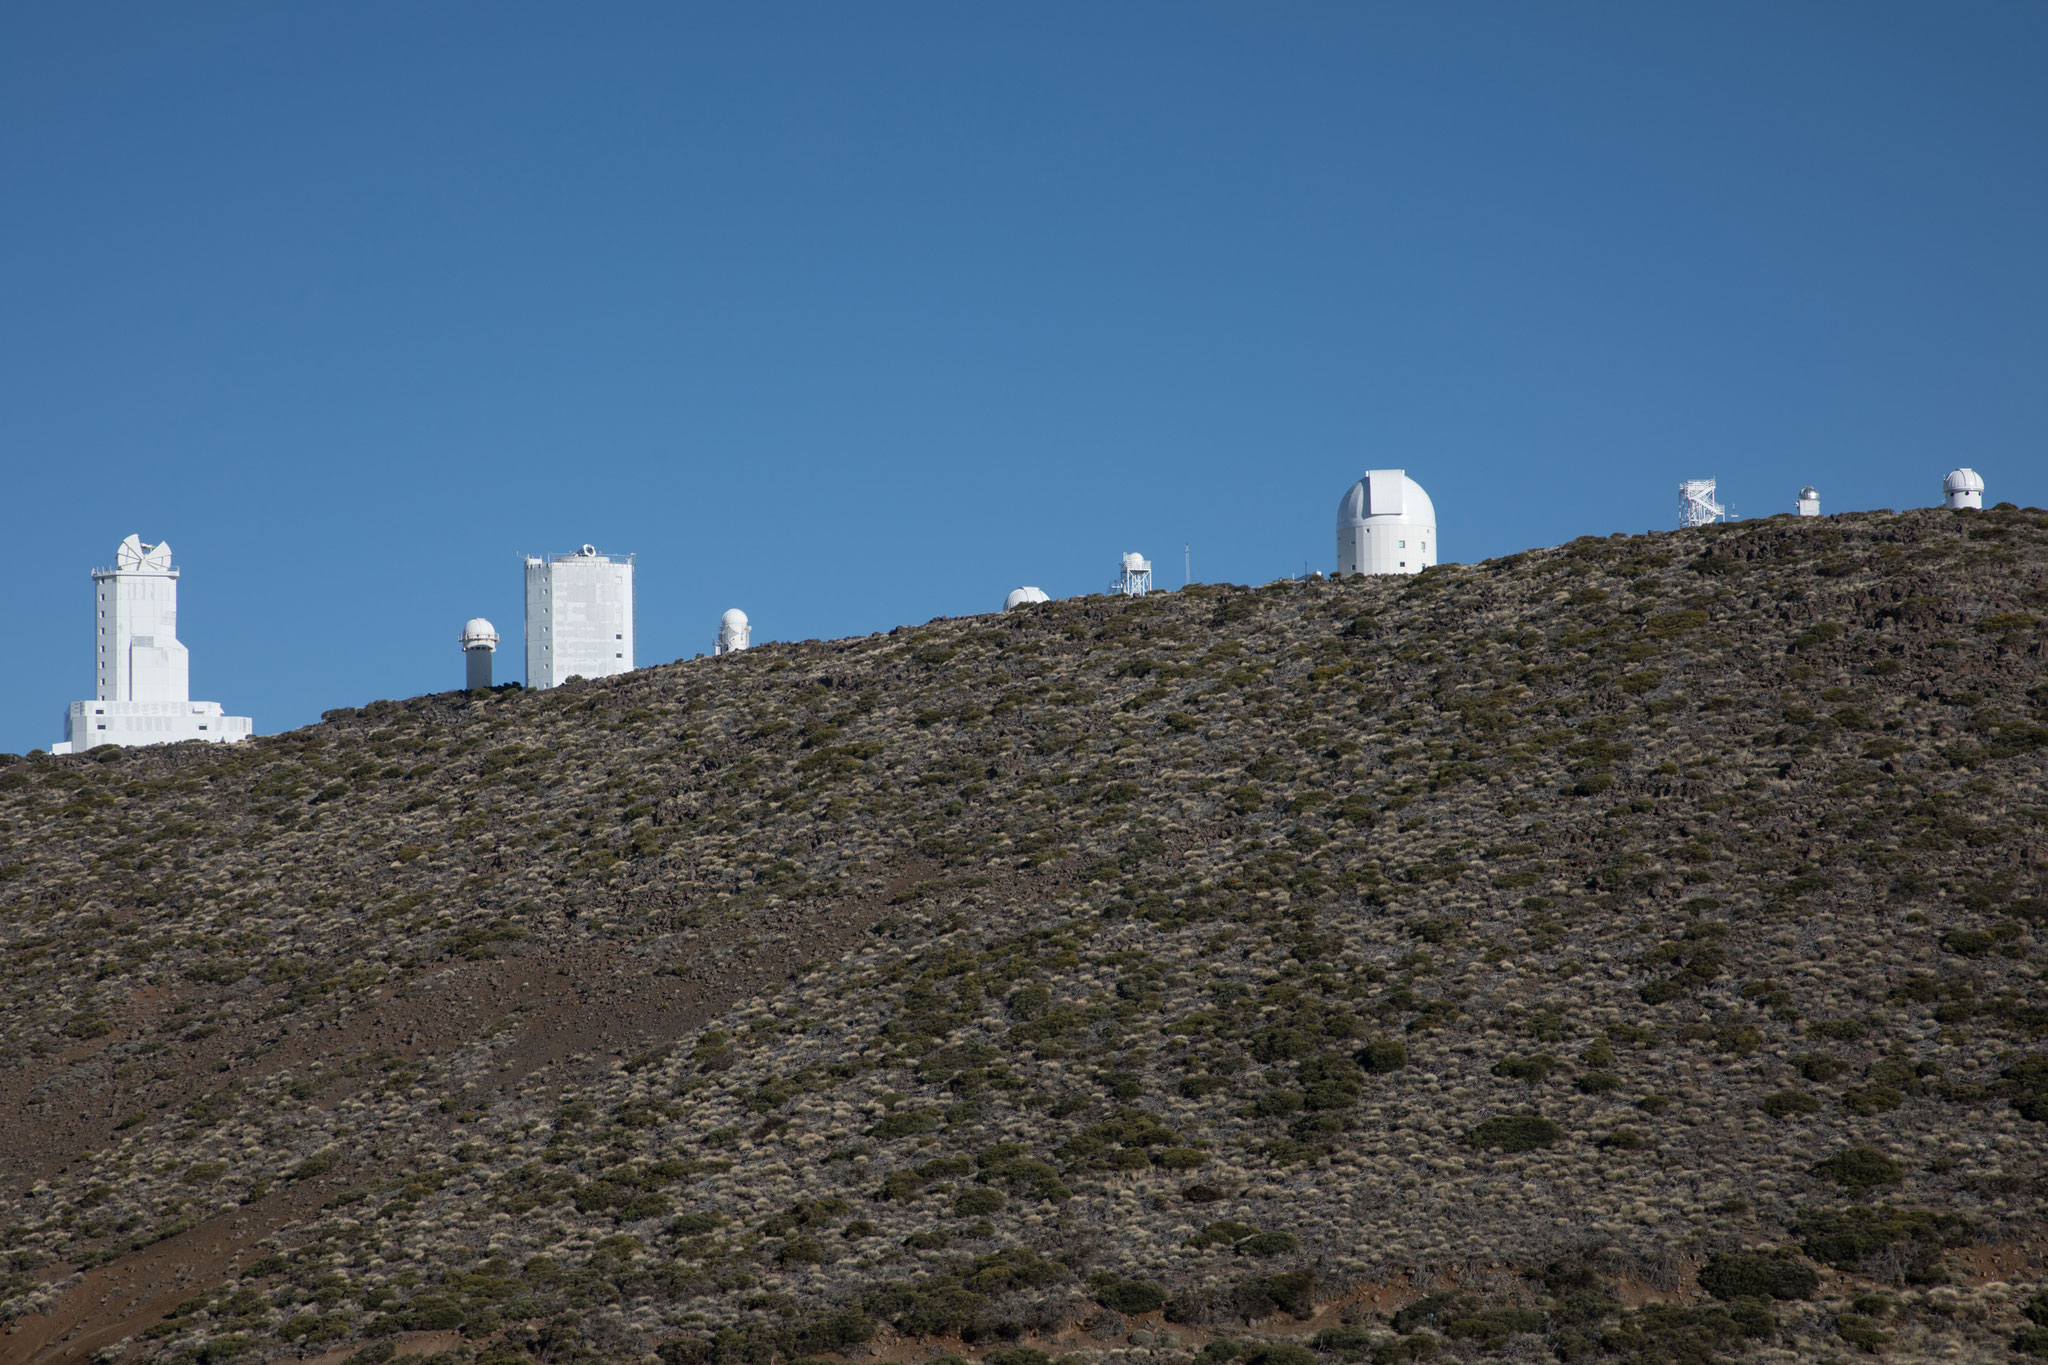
(1696, 505)
(1186, 564)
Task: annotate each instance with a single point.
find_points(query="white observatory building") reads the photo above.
(1963, 488)
(735, 633)
(1134, 576)
(579, 617)
(479, 643)
(1024, 597)
(1385, 524)
(143, 691)
(1809, 502)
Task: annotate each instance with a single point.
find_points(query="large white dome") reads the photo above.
(1386, 523)
(733, 617)
(1020, 596)
(476, 631)
(1385, 493)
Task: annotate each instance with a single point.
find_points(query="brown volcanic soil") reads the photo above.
(569, 1001)
(1539, 955)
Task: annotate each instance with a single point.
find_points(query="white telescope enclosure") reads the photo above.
(579, 617)
(142, 671)
(1386, 523)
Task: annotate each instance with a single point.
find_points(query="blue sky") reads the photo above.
(860, 315)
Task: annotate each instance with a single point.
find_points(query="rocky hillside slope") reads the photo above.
(1630, 950)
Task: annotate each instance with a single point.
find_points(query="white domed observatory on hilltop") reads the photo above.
(1963, 488)
(735, 633)
(1385, 524)
(479, 643)
(1024, 597)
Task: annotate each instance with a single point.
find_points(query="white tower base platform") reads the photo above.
(89, 724)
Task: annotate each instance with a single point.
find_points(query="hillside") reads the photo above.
(1625, 951)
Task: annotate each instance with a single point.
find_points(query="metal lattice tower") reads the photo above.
(1134, 576)
(1696, 506)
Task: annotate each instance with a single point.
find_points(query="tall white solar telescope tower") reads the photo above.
(579, 617)
(142, 692)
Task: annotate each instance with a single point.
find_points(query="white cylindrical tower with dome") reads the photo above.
(734, 632)
(479, 643)
(1385, 524)
(1963, 488)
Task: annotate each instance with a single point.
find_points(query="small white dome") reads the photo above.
(1021, 596)
(1963, 481)
(733, 617)
(477, 631)
(1809, 492)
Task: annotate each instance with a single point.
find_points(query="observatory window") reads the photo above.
(1400, 544)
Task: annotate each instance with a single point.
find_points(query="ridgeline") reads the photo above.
(1624, 951)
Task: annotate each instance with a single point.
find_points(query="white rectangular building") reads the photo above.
(142, 691)
(579, 617)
